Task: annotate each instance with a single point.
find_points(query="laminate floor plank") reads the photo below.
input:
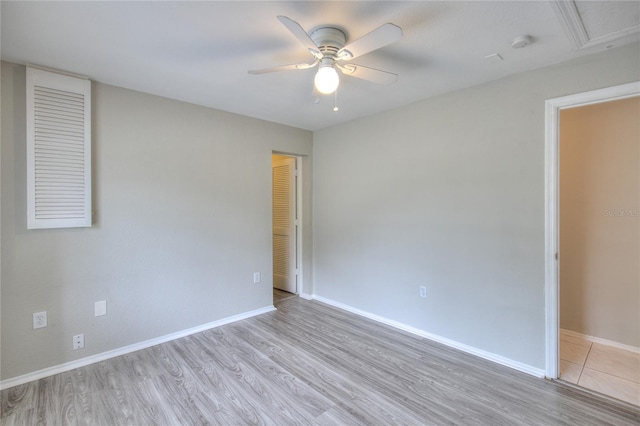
(17, 404)
(328, 378)
(245, 384)
(475, 384)
(227, 402)
(350, 394)
(279, 380)
(83, 396)
(305, 364)
(405, 343)
(262, 394)
(423, 395)
(429, 389)
(369, 357)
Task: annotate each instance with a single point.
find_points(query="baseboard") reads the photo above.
(67, 366)
(306, 296)
(606, 342)
(516, 365)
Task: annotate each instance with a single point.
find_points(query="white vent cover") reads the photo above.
(58, 150)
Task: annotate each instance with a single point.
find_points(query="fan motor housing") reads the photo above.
(329, 40)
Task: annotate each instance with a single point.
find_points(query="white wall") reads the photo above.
(599, 220)
(449, 192)
(182, 219)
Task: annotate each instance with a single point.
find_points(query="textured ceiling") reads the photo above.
(200, 52)
(603, 18)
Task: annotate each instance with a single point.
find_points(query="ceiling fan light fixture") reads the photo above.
(327, 79)
(329, 47)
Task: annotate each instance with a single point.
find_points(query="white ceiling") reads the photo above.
(200, 52)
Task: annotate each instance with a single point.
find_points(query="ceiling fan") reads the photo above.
(328, 46)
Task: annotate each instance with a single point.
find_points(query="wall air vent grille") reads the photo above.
(59, 150)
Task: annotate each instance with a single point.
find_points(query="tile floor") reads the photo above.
(605, 369)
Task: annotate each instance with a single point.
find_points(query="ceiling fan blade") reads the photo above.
(301, 35)
(370, 74)
(380, 37)
(284, 68)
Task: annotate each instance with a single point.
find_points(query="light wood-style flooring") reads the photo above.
(305, 364)
(605, 369)
(280, 295)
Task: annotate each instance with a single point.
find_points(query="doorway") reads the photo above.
(586, 295)
(286, 233)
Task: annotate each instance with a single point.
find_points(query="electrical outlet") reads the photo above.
(423, 291)
(256, 277)
(39, 319)
(78, 341)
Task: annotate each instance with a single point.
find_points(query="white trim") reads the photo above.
(571, 21)
(551, 147)
(612, 37)
(11, 137)
(525, 368)
(307, 296)
(57, 71)
(569, 18)
(67, 366)
(61, 214)
(551, 242)
(299, 219)
(599, 340)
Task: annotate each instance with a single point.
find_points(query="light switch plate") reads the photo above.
(101, 308)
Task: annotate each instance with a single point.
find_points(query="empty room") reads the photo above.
(327, 213)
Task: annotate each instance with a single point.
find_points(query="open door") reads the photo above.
(284, 224)
(552, 202)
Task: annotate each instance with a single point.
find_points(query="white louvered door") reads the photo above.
(284, 227)
(58, 150)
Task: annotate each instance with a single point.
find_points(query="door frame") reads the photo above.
(552, 205)
(298, 206)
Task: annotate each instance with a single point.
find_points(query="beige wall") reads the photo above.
(599, 220)
(182, 219)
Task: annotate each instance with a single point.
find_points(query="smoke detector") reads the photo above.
(521, 41)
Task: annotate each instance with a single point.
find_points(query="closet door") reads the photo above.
(284, 228)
